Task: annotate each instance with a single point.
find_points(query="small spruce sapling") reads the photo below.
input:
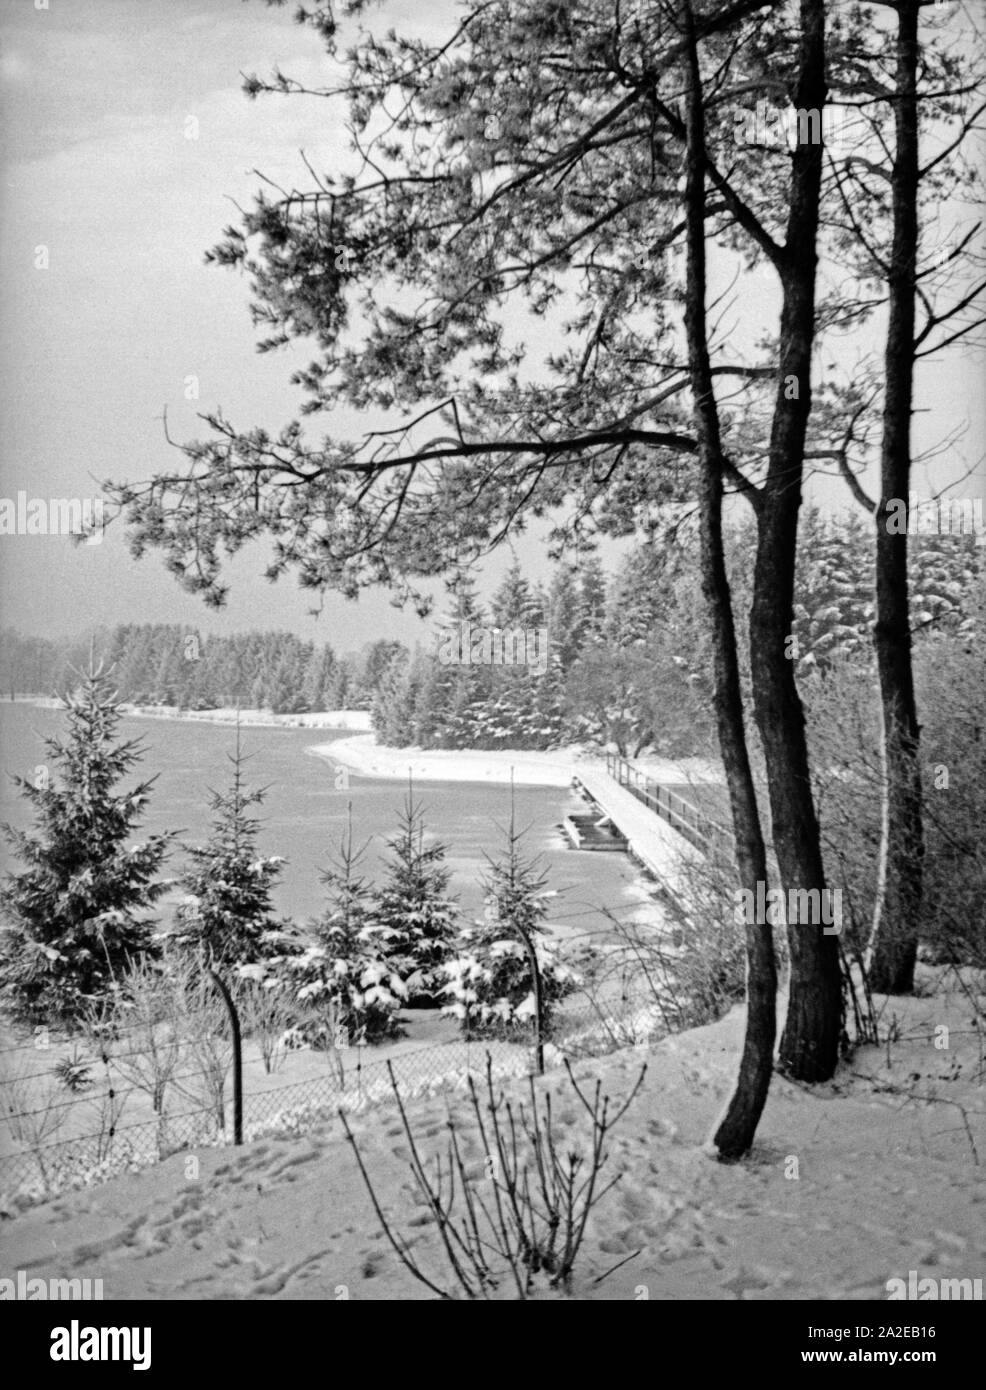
(228, 908)
(489, 979)
(415, 909)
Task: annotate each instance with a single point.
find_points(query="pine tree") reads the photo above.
(317, 688)
(464, 606)
(171, 672)
(489, 979)
(549, 715)
(336, 695)
(228, 909)
(638, 599)
(515, 603)
(344, 977)
(593, 599)
(77, 914)
(259, 696)
(507, 716)
(943, 573)
(378, 659)
(428, 679)
(394, 702)
(137, 670)
(566, 619)
(285, 693)
(443, 712)
(415, 909)
(834, 600)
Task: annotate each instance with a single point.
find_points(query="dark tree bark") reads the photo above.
(810, 1042)
(896, 918)
(734, 1135)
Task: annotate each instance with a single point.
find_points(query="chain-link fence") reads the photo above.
(65, 1121)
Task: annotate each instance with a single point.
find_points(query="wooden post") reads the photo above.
(234, 1023)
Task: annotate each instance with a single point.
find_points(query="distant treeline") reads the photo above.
(620, 659)
(162, 664)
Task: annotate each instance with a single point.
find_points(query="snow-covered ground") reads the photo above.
(362, 754)
(554, 768)
(851, 1184)
(426, 1036)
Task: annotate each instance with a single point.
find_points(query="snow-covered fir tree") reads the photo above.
(447, 694)
(344, 978)
(489, 985)
(319, 684)
(394, 701)
(834, 601)
(414, 908)
(516, 603)
(77, 913)
(566, 619)
(592, 598)
(228, 883)
(945, 574)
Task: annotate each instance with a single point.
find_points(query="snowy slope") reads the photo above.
(887, 1182)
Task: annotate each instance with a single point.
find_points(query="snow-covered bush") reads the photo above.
(345, 980)
(489, 983)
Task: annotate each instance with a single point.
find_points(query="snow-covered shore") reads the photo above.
(556, 768)
(363, 755)
(355, 719)
(260, 718)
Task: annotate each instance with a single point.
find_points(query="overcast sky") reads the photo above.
(98, 101)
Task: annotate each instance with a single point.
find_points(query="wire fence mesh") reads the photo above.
(36, 1164)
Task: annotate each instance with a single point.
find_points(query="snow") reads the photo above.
(554, 768)
(364, 756)
(355, 719)
(887, 1182)
(259, 718)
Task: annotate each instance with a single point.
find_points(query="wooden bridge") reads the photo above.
(664, 830)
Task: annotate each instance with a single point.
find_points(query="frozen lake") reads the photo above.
(304, 814)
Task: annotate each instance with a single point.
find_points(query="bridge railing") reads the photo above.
(706, 834)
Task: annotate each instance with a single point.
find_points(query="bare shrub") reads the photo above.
(847, 778)
(34, 1110)
(141, 1016)
(690, 964)
(523, 1219)
(267, 1012)
(197, 1010)
(952, 694)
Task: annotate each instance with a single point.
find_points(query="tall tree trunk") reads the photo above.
(810, 1042)
(735, 1132)
(896, 917)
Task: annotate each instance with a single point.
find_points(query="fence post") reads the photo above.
(234, 1023)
